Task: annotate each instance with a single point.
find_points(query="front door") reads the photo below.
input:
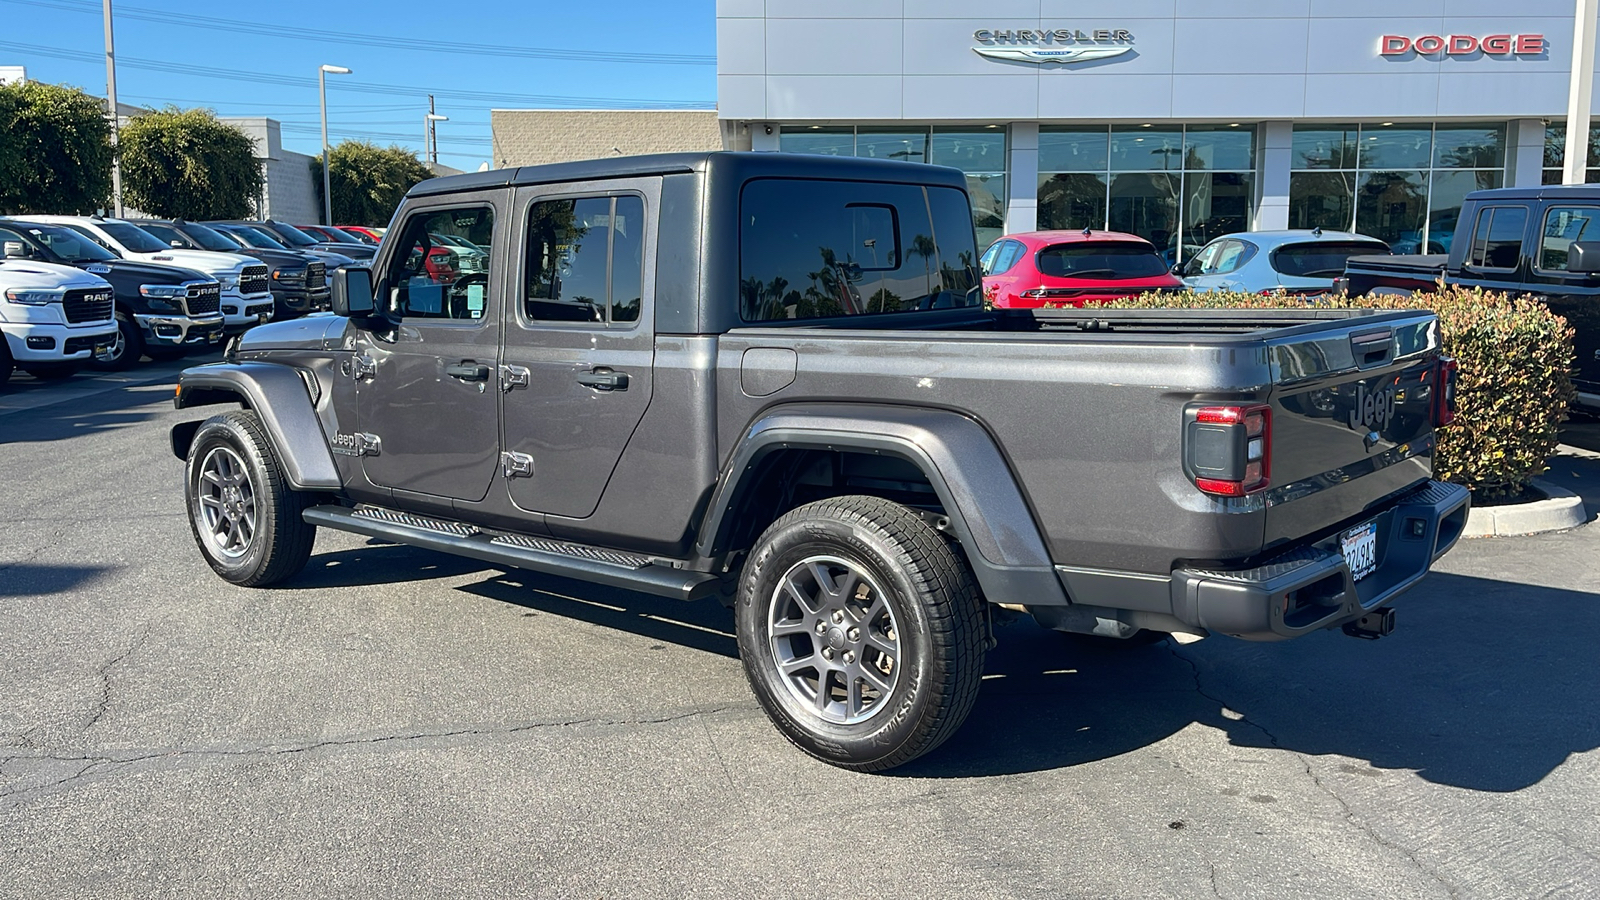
(1574, 295)
(428, 390)
(579, 342)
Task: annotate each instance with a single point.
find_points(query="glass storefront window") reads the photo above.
(1146, 204)
(1324, 147)
(1219, 147)
(1074, 149)
(1555, 154)
(1392, 207)
(902, 144)
(1469, 147)
(1135, 148)
(1447, 191)
(1072, 200)
(982, 150)
(1395, 147)
(988, 193)
(1322, 200)
(817, 139)
(1215, 204)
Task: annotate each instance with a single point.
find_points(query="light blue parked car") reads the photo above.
(1298, 261)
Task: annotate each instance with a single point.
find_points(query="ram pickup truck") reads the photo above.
(1532, 242)
(53, 318)
(770, 379)
(162, 311)
(299, 283)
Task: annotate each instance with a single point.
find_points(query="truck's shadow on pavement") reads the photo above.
(1486, 685)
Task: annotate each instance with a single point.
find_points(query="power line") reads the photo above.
(262, 29)
(134, 62)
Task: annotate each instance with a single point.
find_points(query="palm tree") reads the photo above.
(922, 245)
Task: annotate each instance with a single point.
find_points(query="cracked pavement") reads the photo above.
(400, 723)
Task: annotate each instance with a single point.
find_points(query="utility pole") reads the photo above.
(111, 110)
(322, 91)
(1580, 92)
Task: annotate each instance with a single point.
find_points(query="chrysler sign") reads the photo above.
(1047, 45)
(1463, 44)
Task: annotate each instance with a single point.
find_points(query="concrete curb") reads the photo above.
(1563, 510)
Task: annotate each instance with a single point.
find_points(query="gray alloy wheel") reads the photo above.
(245, 517)
(861, 631)
(834, 639)
(126, 348)
(227, 503)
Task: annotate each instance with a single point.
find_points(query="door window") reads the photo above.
(585, 260)
(1562, 226)
(1497, 239)
(430, 278)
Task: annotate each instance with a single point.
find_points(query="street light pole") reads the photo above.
(322, 90)
(111, 110)
(430, 136)
(1580, 92)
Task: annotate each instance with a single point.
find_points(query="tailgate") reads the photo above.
(1352, 421)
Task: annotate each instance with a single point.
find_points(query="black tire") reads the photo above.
(128, 347)
(935, 626)
(278, 542)
(166, 354)
(6, 365)
(52, 371)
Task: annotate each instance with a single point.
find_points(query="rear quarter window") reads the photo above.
(1322, 259)
(1112, 260)
(811, 249)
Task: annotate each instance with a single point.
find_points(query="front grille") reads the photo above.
(254, 280)
(205, 298)
(88, 305)
(316, 275)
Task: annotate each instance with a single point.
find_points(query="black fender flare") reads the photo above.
(279, 395)
(987, 510)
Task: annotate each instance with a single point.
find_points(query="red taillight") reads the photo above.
(1444, 393)
(1228, 449)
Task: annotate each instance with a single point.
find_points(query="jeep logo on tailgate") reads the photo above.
(1372, 411)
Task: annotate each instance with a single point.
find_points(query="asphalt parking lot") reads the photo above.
(400, 723)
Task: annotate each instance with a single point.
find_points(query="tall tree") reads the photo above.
(187, 164)
(55, 150)
(367, 181)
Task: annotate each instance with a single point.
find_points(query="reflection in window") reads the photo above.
(1562, 226)
(1322, 200)
(1146, 204)
(1072, 200)
(817, 139)
(812, 249)
(1392, 207)
(1497, 241)
(901, 144)
(432, 278)
(585, 260)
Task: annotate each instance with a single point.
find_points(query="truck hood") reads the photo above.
(45, 276)
(207, 261)
(318, 331)
(143, 272)
(287, 259)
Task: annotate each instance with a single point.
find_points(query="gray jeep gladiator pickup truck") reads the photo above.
(769, 378)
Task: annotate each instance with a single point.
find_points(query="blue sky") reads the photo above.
(256, 59)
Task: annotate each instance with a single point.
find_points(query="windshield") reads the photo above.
(292, 236)
(199, 235)
(336, 236)
(1322, 259)
(1111, 260)
(254, 237)
(132, 237)
(361, 237)
(68, 244)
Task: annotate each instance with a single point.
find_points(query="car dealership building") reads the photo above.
(1174, 119)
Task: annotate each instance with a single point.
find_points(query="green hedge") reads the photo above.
(1512, 391)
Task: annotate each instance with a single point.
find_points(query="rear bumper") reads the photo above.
(1312, 587)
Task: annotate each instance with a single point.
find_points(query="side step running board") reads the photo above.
(608, 567)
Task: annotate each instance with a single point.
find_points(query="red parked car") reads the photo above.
(1071, 268)
(363, 233)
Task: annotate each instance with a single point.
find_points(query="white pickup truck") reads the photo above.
(246, 283)
(54, 318)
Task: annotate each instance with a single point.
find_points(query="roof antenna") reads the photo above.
(1317, 231)
(1086, 230)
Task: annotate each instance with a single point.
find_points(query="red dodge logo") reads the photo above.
(1462, 44)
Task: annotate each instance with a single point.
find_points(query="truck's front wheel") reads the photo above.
(860, 631)
(245, 517)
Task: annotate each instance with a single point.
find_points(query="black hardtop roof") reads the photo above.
(739, 164)
(1545, 192)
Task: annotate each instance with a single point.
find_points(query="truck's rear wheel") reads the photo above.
(860, 631)
(245, 517)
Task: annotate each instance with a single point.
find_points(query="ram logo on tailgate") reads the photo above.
(1372, 411)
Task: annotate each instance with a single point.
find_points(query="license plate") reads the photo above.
(1360, 545)
(213, 337)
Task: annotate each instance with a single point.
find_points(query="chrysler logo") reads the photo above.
(1057, 45)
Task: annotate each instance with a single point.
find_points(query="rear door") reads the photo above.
(426, 392)
(579, 340)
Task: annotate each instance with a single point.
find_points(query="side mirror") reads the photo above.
(1584, 257)
(351, 292)
(16, 250)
